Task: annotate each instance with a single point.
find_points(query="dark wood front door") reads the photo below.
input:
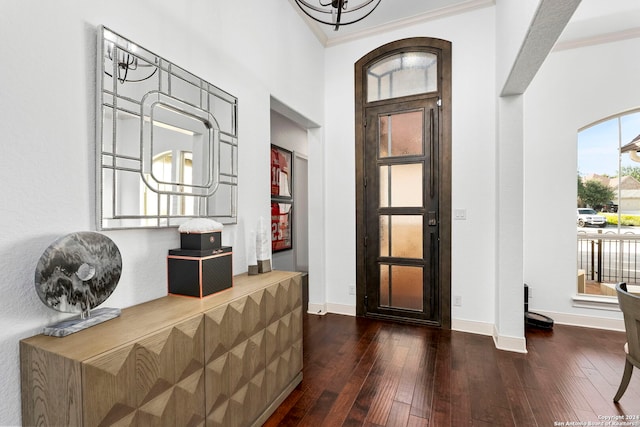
(403, 169)
(401, 201)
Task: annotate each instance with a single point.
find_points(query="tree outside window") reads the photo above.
(609, 197)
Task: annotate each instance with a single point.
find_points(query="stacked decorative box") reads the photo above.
(202, 266)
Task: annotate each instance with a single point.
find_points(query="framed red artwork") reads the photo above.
(281, 171)
(281, 235)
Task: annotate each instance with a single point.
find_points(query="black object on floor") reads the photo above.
(535, 319)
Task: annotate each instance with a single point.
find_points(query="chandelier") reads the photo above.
(126, 60)
(128, 67)
(331, 12)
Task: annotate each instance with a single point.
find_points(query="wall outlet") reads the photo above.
(457, 301)
(352, 289)
(530, 293)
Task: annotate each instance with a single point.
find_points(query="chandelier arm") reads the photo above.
(337, 27)
(364, 4)
(347, 10)
(126, 80)
(367, 14)
(315, 18)
(362, 17)
(143, 78)
(312, 7)
(123, 79)
(131, 62)
(304, 3)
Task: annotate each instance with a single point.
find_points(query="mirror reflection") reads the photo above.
(167, 141)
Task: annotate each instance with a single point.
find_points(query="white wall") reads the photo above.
(47, 94)
(473, 245)
(288, 135)
(573, 89)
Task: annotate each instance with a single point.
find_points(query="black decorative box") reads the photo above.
(199, 273)
(201, 241)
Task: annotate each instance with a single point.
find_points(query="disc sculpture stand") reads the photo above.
(75, 274)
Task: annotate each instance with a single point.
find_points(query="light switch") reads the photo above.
(460, 214)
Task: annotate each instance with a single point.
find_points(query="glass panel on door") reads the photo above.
(402, 74)
(401, 134)
(401, 185)
(401, 236)
(401, 286)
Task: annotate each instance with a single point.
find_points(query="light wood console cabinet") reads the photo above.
(226, 360)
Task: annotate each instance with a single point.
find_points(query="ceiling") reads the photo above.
(595, 21)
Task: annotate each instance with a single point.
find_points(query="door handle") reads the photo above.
(432, 219)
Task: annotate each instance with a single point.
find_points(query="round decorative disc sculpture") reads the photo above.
(78, 272)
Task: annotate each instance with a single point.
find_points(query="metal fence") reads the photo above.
(609, 257)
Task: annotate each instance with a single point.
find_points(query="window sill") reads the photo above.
(596, 301)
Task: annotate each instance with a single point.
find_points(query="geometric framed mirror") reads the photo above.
(166, 141)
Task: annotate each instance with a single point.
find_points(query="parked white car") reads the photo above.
(587, 216)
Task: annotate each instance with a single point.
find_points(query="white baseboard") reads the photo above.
(504, 342)
(317, 309)
(518, 345)
(584, 321)
(472, 326)
(322, 309)
(347, 310)
(501, 342)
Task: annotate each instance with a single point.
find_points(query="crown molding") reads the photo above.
(598, 39)
(431, 15)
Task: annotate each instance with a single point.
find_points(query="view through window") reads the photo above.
(608, 205)
(168, 167)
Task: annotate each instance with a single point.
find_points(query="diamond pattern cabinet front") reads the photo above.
(235, 361)
(157, 381)
(283, 335)
(253, 352)
(283, 298)
(226, 360)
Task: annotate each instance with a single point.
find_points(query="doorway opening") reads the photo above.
(292, 209)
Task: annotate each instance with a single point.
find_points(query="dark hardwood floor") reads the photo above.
(361, 372)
